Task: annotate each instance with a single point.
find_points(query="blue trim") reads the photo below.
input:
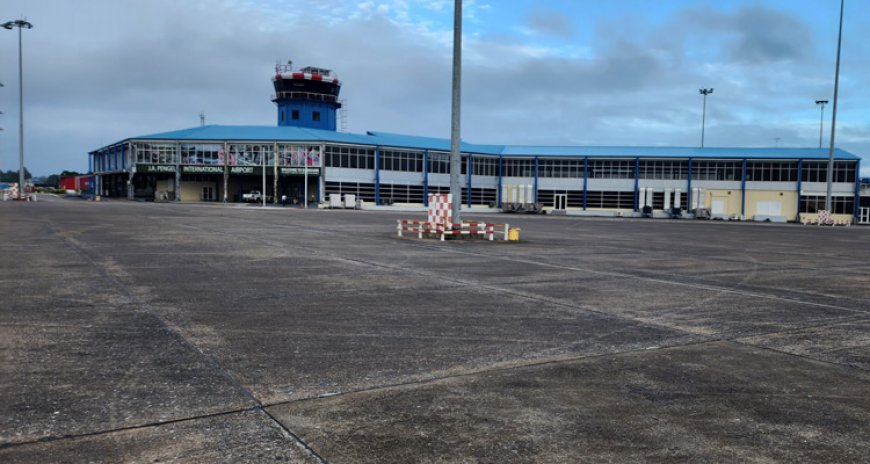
(536, 180)
(743, 189)
(426, 178)
(799, 181)
(636, 181)
(378, 175)
(856, 204)
(469, 164)
(689, 188)
(585, 180)
(500, 199)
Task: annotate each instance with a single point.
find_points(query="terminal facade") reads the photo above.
(305, 158)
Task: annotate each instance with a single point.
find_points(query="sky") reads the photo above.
(557, 72)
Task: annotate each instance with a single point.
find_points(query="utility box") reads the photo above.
(350, 201)
(334, 200)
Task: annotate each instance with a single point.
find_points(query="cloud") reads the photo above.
(550, 23)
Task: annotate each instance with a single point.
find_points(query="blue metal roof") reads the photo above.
(257, 133)
(677, 152)
(301, 134)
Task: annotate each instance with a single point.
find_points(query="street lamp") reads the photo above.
(704, 92)
(830, 176)
(20, 24)
(455, 108)
(821, 103)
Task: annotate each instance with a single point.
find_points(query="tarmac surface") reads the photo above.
(201, 333)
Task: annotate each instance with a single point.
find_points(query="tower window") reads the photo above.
(316, 116)
(295, 115)
(282, 116)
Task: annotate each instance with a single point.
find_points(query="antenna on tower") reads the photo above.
(343, 114)
(201, 118)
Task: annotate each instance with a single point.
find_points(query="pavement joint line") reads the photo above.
(834, 322)
(146, 308)
(295, 437)
(495, 369)
(797, 355)
(97, 433)
(661, 281)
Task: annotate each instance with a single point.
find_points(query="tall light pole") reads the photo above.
(821, 103)
(455, 155)
(704, 92)
(834, 115)
(20, 24)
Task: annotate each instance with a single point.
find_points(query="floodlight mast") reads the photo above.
(704, 92)
(20, 24)
(821, 103)
(830, 176)
(455, 155)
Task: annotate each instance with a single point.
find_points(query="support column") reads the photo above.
(636, 182)
(377, 175)
(536, 181)
(857, 202)
(274, 173)
(468, 168)
(177, 172)
(130, 163)
(426, 177)
(499, 193)
(585, 180)
(800, 177)
(226, 172)
(743, 189)
(689, 204)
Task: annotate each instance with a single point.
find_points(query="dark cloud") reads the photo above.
(550, 23)
(750, 35)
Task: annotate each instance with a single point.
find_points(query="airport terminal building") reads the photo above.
(305, 157)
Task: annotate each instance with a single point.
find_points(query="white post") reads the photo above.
(305, 170)
(263, 192)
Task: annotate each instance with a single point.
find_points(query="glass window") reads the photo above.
(484, 166)
(817, 171)
(439, 163)
(518, 167)
(816, 203)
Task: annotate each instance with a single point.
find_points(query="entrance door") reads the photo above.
(560, 201)
(768, 208)
(718, 206)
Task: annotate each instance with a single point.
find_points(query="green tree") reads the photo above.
(12, 176)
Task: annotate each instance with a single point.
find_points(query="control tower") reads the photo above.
(307, 97)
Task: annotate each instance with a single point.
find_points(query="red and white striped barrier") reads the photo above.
(440, 208)
(825, 219)
(421, 228)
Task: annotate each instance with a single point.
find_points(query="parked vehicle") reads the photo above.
(255, 196)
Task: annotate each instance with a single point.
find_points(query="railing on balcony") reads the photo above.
(322, 97)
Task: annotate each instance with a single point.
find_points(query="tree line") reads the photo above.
(51, 181)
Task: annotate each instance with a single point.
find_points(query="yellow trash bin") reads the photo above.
(514, 234)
